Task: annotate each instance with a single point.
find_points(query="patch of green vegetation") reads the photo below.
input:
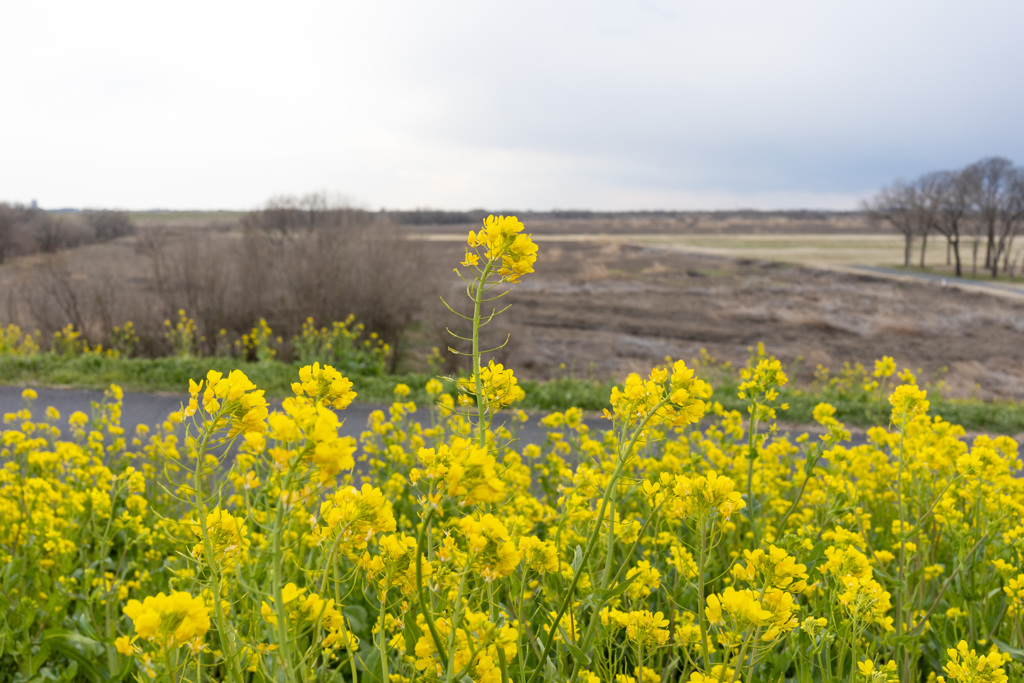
(137, 374)
(865, 410)
(566, 392)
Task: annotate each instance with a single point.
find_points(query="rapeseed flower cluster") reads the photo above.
(228, 535)
(966, 665)
(352, 517)
(501, 241)
(169, 621)
(478, 646)
(500, 387)
(231, 401)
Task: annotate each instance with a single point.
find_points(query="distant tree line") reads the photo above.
(28, 230)
(980, 207)
(439, 217)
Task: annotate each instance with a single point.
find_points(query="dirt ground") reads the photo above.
(609, 307)
(620, 302)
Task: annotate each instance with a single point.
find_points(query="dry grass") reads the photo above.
(226, 274)
(614, 295)
(806, 249)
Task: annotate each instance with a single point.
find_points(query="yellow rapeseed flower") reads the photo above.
(228, 537)
(502, 241)
(325, 385)
(169, 620)
(966, 666)
(885, 367)
(540, 556)
(907, 402)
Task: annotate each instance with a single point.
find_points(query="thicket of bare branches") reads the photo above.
(28, 230)
(297, 258)
(981, 205)
(306, 258)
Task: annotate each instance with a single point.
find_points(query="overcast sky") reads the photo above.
(504, 105)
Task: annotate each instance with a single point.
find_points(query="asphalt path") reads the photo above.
(1004, 289)
(152, 410)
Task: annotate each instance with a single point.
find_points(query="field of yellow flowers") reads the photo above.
(688, 543)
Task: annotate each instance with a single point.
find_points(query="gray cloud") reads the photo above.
(532, 104)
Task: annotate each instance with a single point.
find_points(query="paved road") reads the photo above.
(152, 409)
(999, 288)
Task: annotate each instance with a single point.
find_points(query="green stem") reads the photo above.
(283, 644)
(481, 406)
(456, 616)
(383, 641)
(701, 562)
(330, 557)
(172, 671)
(223, 632)
(588, 634)
(751, 455)
(743, 652)
(345, 638)
(424, 607)
(610, 543)
(523, 623)
(900, 569)
(799, 495)
(595, 532)
(501, 650)
(853, 663)
(942, 590)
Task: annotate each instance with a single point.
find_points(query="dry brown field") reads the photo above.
(612, 296)
(608, 299)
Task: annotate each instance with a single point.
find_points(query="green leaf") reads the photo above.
(412, 634)
(371, 666)
(577, 653)
(780, 664)
(34, 657)
(1016, 653)
(609, 593)
(89, 654)
(356, 616)
(577, 559)
(904, 640)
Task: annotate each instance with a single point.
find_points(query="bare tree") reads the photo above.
(109, 225)
(924, 199)
(48, 232)
(897, 206)
(1011, 215)
(200, 276)
(990, 181)
(8, 221)
(26, 230)
(314, 257)
(946, 202)
(59, 298)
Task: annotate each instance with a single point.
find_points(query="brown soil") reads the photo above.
(609, 307)
(606, 306)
